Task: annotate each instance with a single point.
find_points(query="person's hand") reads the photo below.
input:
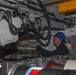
(38, 48)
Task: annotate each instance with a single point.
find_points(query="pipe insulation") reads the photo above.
(70, 64)
(26, 70)
(23, 70)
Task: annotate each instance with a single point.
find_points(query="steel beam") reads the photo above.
(66, 7)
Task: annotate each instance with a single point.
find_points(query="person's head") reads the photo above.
(59, 37)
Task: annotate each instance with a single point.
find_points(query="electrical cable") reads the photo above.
(12, 28)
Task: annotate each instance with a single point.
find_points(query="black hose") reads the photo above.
(16, 30)
(12, 28)
(46, 17)
(48, 21)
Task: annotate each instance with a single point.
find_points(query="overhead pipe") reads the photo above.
(11, 2)
(9, 7)
(32, 2)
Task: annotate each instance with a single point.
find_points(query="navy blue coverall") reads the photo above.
(60, 50)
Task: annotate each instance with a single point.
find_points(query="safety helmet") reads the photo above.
(60, 35)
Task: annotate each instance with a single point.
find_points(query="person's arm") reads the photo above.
(43, 52)
(57, 52)
(46, 53)
(62, 50)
